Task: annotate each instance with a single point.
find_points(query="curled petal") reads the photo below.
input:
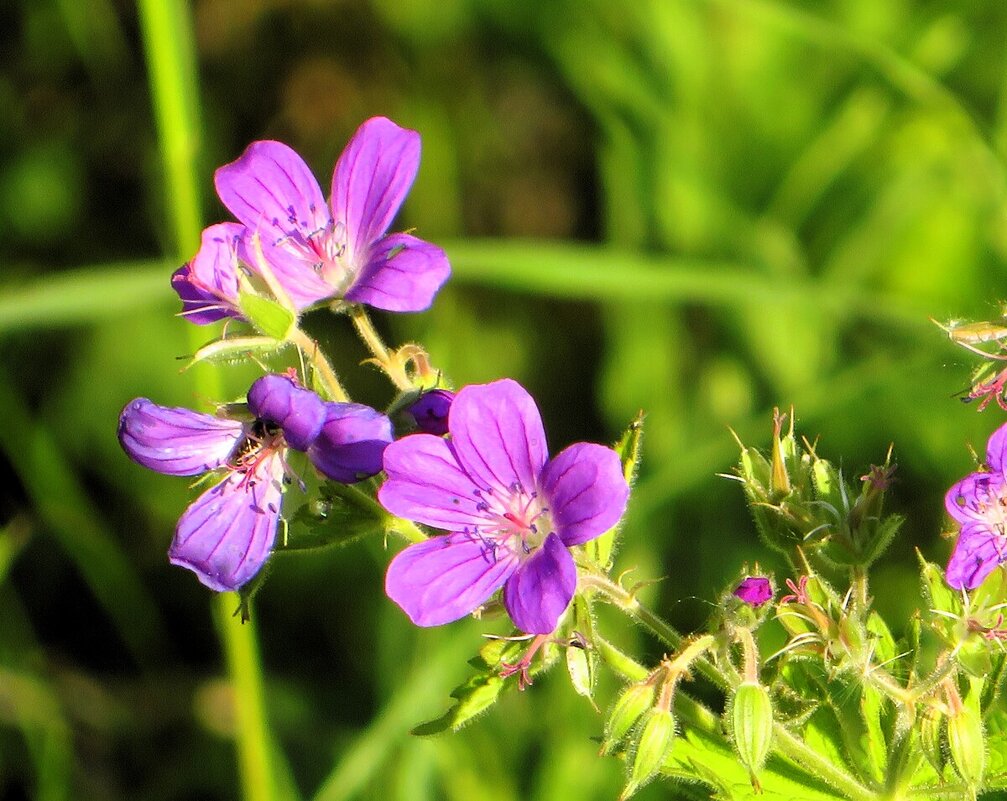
(280, 400)
(176, 442)
(444, 578)
(226, 535)
(497, 434)
(426, 484)
(371, 179)
(208, 285)
(996, 450)
(351, 442)
(585, 491)
(402, 274)
(979, 549)
(541, 588)
(972, 498)
(270, 189)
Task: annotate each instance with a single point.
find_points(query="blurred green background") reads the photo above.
(698, 208)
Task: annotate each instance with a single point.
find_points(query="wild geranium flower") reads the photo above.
(318, 250)
(511, 512)
(978, 503)
(227, 533)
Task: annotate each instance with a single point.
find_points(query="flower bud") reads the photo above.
(754, 590)
(430, 411)
(657, 733)
(752, 726)
(967, 745)
(634, 701)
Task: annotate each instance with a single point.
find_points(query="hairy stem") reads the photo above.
(384, 358)
(326, 374)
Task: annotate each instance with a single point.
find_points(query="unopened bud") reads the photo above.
(754, 590)
(629, 707)
(430, 411)
(752, 726)
(657, 733)
(967, 745)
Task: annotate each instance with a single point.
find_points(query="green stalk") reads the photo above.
(171, 62)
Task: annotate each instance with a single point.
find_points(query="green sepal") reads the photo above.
(581, 658)
(267, 316)
(234, 350)
(601, 549)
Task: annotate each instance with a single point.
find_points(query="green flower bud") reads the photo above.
(629, 707)
(967, 745)
(656, 735)
(751, 717)
(931, 738)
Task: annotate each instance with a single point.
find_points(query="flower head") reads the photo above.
(317, 250)
(754, 591)
(511, 512)
(978, 503)
(227, 533)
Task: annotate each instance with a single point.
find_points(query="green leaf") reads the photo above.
(268, 316)
(339, 516)
(236, 350)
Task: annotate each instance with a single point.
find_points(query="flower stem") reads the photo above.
(384, 358)
(326, 374)
(242, 655)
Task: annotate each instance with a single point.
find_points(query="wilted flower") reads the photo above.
(512, 512)
(317, 250)
(226, 534)
(978, 503)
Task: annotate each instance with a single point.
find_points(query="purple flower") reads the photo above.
(318, 250)
(978, 503)
(227, 533)
(430, 411)
(512, 512)
(754, 591)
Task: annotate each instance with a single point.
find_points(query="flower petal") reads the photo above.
(979, 549)
(208, 285)
(970, 499)
(291, 262)
(226, 535)
(176, 442)
(496, 431)
(585, 491)
(996, 450)
(280, 400)
(426, 484)
(270, 189)
(351, 443)
(371, 179)
(541, 588)
(402, 274)
(444, 578)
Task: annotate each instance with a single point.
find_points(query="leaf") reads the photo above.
(268, 316)
(339, 516)
(235, 349)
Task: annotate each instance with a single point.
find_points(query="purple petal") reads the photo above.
(292, 262)
(176, 442)
(754, 590)
(541, 588)
(444, 578)
(351, 443)
(208, 285)
(979, 549)
(402, 274)
(426, 484)
(225, 536)
(270, 189)
(497, 434)
(971, 498)
(371, 179)
(996, 450)
(280, 400)
(430, 411)
(585, 491)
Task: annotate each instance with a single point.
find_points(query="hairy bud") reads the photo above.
(751, 721)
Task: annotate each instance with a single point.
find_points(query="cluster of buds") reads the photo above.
(800, 500)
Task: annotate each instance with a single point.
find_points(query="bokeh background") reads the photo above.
(698, 208)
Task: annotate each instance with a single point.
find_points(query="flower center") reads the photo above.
(262, 441)
(516, 520)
